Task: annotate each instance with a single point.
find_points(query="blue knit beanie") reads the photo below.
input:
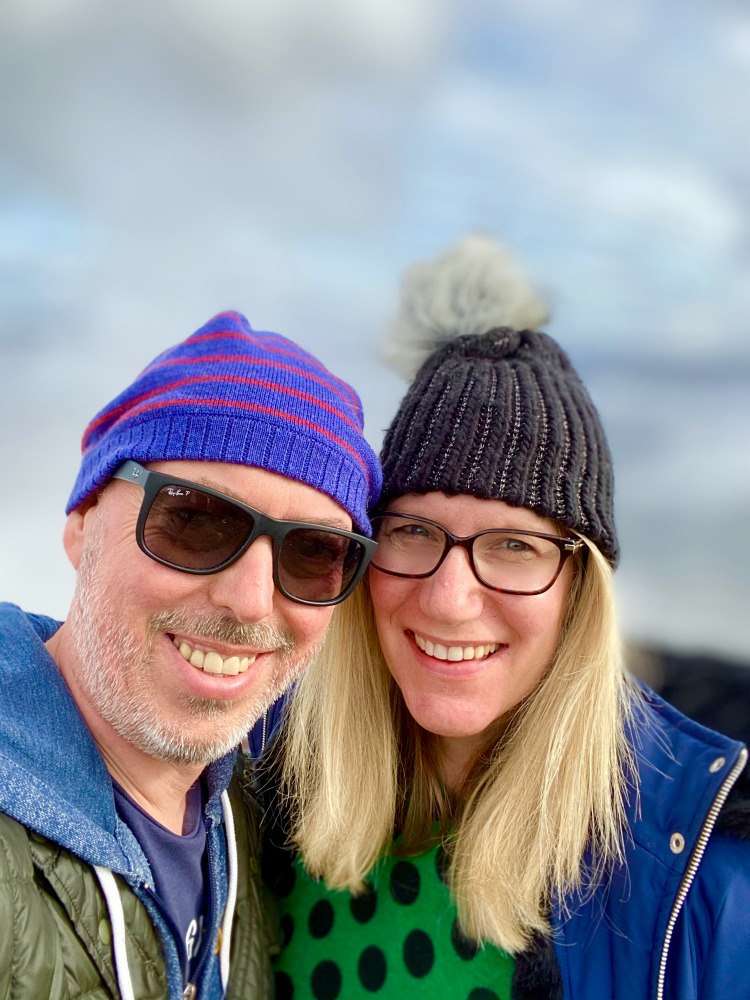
(232, 394)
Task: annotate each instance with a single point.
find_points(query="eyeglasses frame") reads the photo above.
(568, 546)
(264, 525)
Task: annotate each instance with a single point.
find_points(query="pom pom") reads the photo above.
(474, 287)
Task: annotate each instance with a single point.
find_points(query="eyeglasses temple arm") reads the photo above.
(130, 471)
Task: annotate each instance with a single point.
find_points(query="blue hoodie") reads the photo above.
(53, 780)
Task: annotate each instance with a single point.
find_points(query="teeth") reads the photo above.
(455, 653)
(212, 662)
(232, 665)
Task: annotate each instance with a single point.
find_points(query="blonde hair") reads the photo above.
(357, 766)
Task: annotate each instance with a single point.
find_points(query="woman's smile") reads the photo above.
(454, 651)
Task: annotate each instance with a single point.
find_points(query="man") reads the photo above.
(219, 513)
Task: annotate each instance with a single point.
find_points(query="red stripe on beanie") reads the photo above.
(269, 344)
(257, 408)
(349, 397)
(121, 411)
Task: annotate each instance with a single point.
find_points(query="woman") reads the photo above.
(506, 812)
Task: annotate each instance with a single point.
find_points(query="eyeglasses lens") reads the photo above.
(194, 530)
(405, 546)
(317, 565)
(524, 563)
(516, 562)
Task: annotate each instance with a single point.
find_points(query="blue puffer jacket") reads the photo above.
(674, 922)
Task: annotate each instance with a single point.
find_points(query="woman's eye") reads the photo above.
(508, 546)
(413, 530)
(406, 532)
(516, 544)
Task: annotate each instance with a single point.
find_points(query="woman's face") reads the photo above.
(513, 637)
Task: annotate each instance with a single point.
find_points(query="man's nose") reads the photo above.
(246, 588)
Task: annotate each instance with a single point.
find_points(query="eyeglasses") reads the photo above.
(505, 559)
(197, 530)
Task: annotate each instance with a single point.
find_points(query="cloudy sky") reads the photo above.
(161, 160)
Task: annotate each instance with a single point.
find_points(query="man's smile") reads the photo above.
(212, 662)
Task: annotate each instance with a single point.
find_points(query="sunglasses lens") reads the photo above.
(193, 530)
(317, 565)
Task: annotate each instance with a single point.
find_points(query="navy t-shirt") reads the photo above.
(178, 864)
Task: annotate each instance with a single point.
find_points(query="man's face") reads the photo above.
(135, 625)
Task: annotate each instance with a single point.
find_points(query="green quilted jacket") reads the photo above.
(55, 931)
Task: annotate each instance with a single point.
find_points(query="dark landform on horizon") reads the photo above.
(711, 690)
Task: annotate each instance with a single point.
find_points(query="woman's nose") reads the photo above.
(452, 592)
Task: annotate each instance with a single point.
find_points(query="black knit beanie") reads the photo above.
(499, 413)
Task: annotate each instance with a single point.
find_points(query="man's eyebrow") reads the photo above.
(326, 522)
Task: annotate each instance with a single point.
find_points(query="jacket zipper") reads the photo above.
(694, 863)
(150, 891)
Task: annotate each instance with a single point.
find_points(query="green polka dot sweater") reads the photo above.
(400, 939)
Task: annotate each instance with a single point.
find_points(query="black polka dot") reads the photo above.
(372, 968)
(482, 993)
(320, 920)
(464, 946)
(419, 954)
(363, 907)
(442, 862)
(405, 882)
(284, 986)
(325, 981)
(287, 928)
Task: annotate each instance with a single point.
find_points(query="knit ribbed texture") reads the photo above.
(504, 416)
(232, 394)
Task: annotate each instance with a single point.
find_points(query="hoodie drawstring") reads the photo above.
(117, 922)
(226, 927)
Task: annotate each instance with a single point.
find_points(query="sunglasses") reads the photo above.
(195, 529)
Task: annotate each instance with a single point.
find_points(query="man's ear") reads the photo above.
(74, 532)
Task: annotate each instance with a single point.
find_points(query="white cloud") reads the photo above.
(733, 36)
(28, 18)
(673, 198)
(389, 37)
(281, 41)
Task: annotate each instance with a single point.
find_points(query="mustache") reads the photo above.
(264, 636)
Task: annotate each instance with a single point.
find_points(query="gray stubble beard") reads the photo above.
(102, 642)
